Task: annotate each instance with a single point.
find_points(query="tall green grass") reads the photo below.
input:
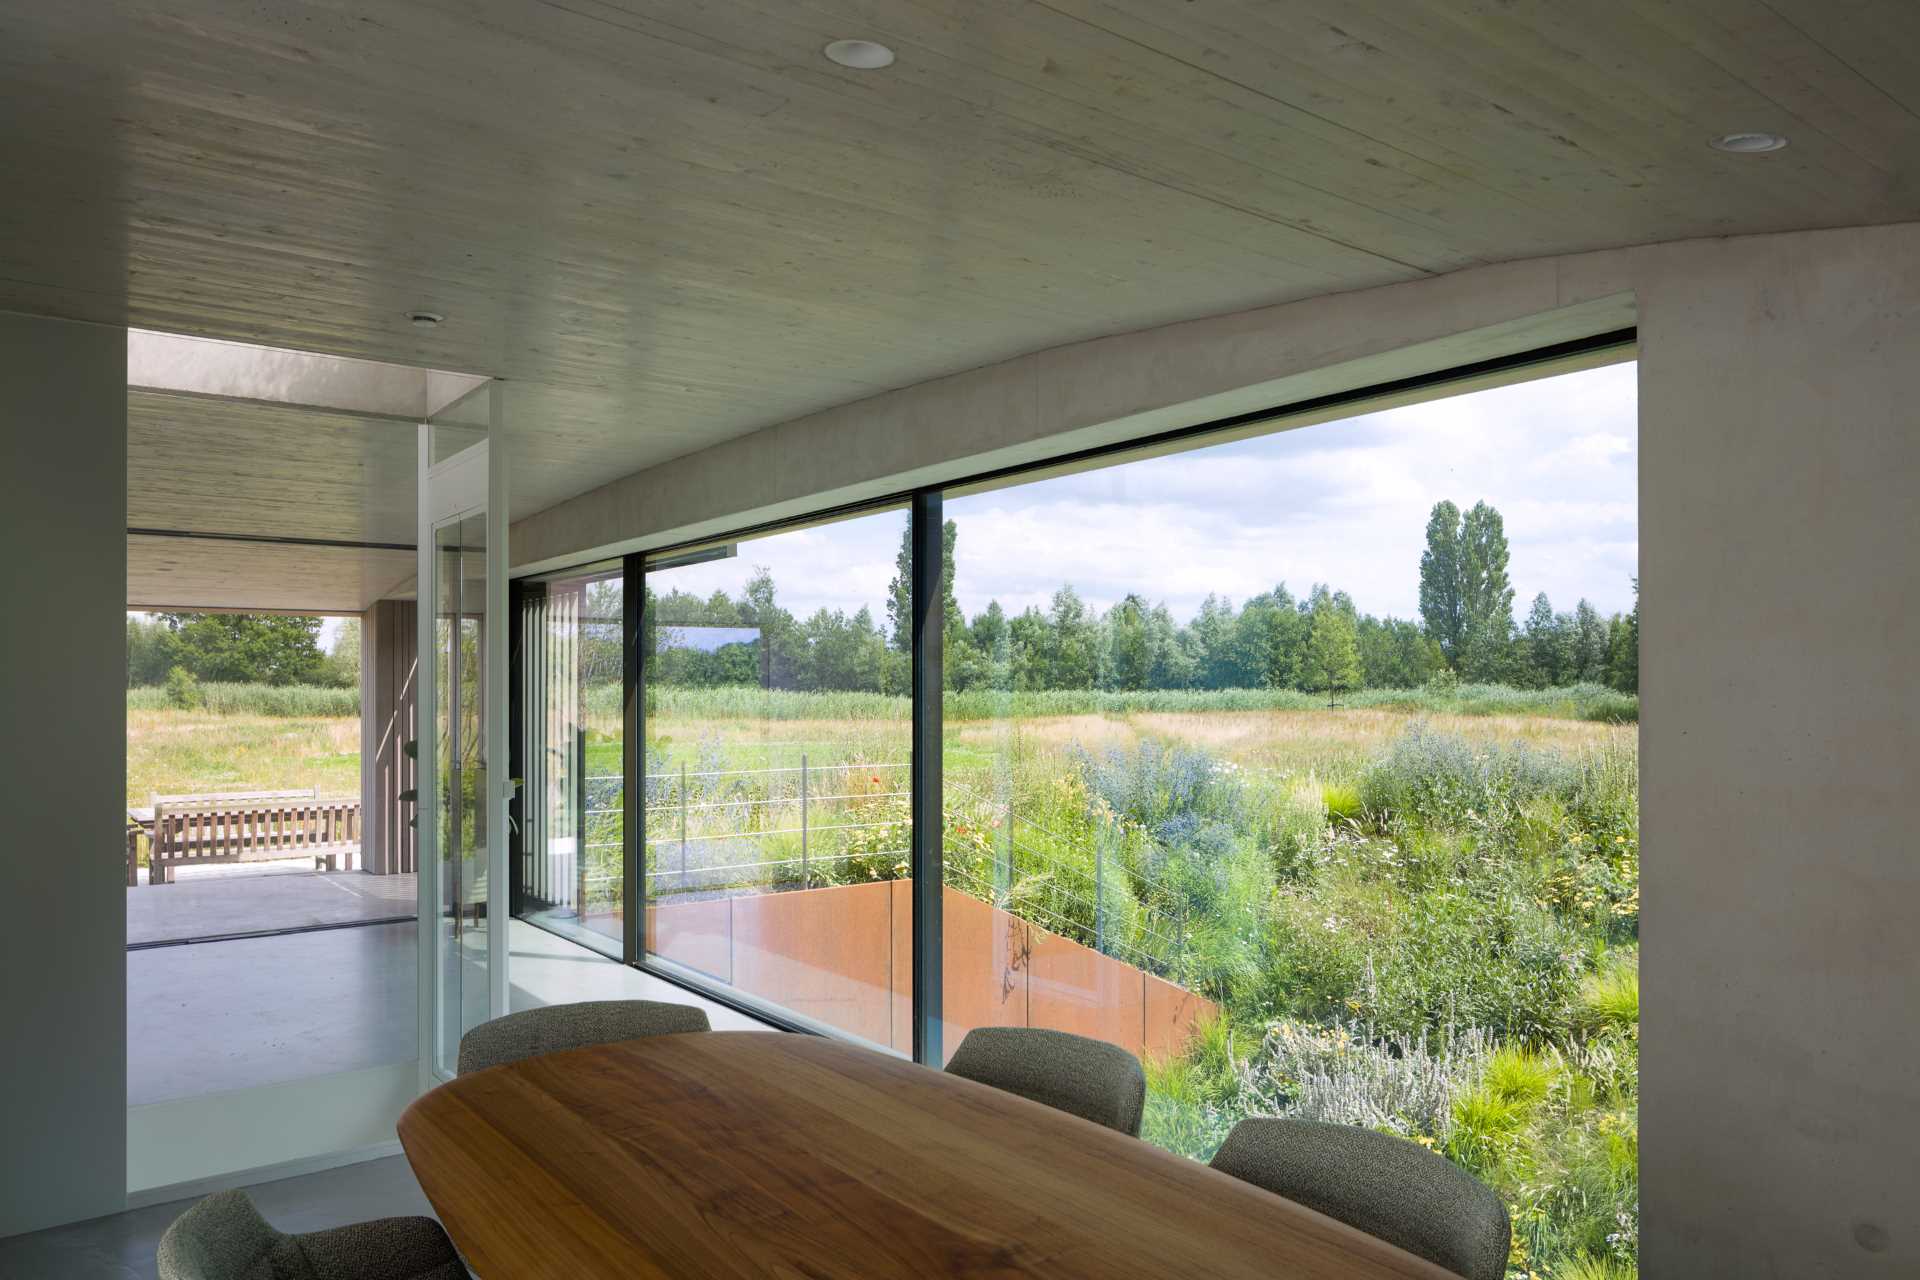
(291, 700)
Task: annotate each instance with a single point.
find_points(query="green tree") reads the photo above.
(1442, 574)
(1590, 648)
(900, 590)
(1466, 597)
(150, 651)
(1070, 657)
(1332, 658)
(343, 660)
(1549, 645)
(1623, 657)
(247, 648)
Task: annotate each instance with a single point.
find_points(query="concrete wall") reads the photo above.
(1780, 445)
(63, 509)
(1780, 594)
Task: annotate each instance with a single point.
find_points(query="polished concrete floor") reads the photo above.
(212, 1016)
(209, 902)
(121, 1247)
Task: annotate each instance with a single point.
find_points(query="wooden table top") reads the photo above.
(748, 1153)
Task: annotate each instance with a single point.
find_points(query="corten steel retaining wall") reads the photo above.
(842, 955)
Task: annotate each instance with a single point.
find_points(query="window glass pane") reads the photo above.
(777, 772)
(1292, 766)
(573, 726)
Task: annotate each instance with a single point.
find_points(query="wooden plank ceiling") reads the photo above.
(672, 222)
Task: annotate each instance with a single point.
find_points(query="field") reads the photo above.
(171, 751)
(1419, 910)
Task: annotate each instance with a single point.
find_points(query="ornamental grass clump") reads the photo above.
(1346, 1073)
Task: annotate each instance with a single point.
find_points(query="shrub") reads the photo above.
(1341, 802)
(1520, 1076)
(1346, 1073)
(1610, 999)
(183, 689)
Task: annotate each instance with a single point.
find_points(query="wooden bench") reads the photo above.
(255, 826)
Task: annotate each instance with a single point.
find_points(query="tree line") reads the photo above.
(241, 648)
(1318, 642)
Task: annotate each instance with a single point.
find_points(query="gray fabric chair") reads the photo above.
(1385, 1186)
(225, 1238)
(573, 1026)
(1091, 1079)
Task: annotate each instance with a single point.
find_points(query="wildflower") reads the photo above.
(1424, 1141)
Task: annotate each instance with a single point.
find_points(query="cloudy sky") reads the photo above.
(1344, 503)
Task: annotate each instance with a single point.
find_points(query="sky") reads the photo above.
(1345, 503)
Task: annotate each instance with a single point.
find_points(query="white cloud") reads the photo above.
(1343, 502)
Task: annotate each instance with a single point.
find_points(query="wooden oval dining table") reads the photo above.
(749, 1153)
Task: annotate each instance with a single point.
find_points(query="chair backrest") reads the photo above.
(1091, 1079)
(221, 1238)
(1385, 1186)
(573, 1026)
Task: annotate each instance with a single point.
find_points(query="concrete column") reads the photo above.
(63, 515)
(388, 720)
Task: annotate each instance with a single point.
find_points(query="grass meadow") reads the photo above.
(1419, 910)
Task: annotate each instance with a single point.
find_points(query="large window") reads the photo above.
(1302, 766)
(778, 756)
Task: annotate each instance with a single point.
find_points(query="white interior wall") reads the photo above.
(63, 729)
(1779, 443)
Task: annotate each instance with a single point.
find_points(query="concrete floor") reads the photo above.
(121, 1247)
(213, 1016)
(205, 902)
(221, 1015)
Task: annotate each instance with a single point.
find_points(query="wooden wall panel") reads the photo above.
(389, 644)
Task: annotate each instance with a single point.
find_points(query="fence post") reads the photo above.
(1003, 888)
(806, 868)
(683, 825)
(1099, 895)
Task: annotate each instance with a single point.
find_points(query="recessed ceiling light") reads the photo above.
(1748, 144)
(861, 55)
(426, 319)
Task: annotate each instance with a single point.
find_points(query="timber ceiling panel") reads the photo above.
(671, 222)
(188, 574)
(220, 466)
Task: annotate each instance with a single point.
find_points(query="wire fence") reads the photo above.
(712, 832)
(706, 837)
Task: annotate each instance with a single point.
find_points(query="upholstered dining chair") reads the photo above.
(225, 1238)
(1091, 1079)
(573, 1026)
(1385, 1186)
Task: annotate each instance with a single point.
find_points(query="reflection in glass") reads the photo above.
(777, 756)
(571, 871)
